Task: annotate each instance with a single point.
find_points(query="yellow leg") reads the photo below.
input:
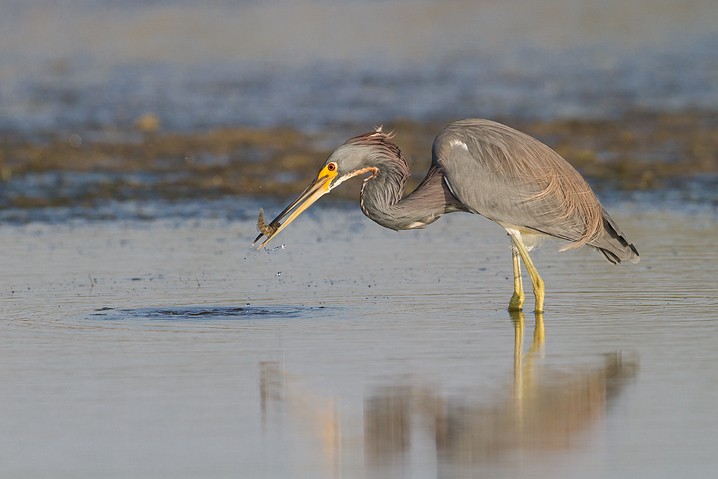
(538, 283)
(516, 302)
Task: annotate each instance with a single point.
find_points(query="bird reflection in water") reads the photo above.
(546, 409)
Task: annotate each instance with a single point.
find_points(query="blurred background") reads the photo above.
(103, 100)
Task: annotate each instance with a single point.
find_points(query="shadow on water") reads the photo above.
(545, 409)
(207, 313)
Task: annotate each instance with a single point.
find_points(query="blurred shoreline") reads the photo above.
(642, 150)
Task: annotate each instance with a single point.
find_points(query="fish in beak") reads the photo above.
(318, 188)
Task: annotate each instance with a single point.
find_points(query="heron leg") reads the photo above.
(516, 302)
(538, 283)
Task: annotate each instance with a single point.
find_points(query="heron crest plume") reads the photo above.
(383, 149)
(379, 129)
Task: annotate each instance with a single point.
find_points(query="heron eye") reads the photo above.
(331, 166)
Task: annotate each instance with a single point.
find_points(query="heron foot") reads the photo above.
(539, 301)
(516, 303)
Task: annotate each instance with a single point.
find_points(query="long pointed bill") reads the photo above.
(314, 191)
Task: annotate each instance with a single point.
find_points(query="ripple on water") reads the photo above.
(207, 313)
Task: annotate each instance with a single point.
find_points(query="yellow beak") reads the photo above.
(312, 193)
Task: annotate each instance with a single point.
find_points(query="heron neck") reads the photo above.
(381, 198)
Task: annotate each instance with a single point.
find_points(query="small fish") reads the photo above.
(266, 229)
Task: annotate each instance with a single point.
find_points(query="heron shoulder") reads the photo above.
(509, 176)
(502, 152)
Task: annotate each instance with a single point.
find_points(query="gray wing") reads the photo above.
(517, 181)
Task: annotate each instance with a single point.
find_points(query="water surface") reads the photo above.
(140, 348)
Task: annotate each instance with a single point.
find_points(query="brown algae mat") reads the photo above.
(640, 150)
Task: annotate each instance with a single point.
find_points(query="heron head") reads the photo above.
(347, 161)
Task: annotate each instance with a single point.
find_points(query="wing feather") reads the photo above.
(517, 181)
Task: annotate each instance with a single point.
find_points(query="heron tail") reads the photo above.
(613, 243)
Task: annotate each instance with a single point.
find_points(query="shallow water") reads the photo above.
(169, 347)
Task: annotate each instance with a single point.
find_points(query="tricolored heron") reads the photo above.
(478, 166)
